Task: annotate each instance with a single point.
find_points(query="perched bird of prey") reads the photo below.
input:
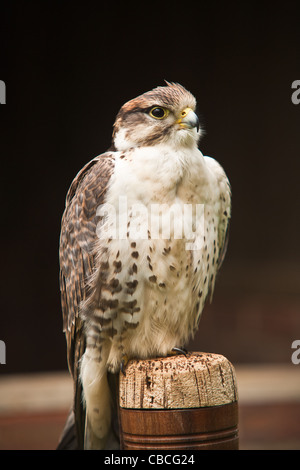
(143, 235)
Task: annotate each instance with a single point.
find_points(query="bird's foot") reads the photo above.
(124, 362)
(175, 351)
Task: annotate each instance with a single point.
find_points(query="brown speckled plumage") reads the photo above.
(77, 261)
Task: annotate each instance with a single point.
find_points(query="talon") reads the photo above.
(180, 351)
(123, 364)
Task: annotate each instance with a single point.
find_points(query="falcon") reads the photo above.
(143, 235)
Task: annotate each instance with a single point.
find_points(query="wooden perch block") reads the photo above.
(179, 402)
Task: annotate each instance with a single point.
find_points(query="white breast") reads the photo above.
(165, 214)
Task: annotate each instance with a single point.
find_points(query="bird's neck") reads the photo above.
(150, 174)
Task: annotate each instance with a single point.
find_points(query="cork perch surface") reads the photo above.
(195, 381)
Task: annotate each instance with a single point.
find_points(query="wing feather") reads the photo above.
(77, 259)
(224, 211)
(224, 204)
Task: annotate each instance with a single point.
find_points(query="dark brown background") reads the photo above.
(68, 69)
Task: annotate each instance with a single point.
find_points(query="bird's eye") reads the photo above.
(159, 113)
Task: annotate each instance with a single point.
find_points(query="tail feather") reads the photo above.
(68, 439)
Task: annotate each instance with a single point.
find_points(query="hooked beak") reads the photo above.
(188, 119)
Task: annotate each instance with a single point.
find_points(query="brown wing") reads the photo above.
(225, 221)
(78, 234)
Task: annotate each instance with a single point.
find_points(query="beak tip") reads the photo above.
(191, 120)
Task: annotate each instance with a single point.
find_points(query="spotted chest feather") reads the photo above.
(147, 283)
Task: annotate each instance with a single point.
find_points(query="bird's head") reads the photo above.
(165, 115)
